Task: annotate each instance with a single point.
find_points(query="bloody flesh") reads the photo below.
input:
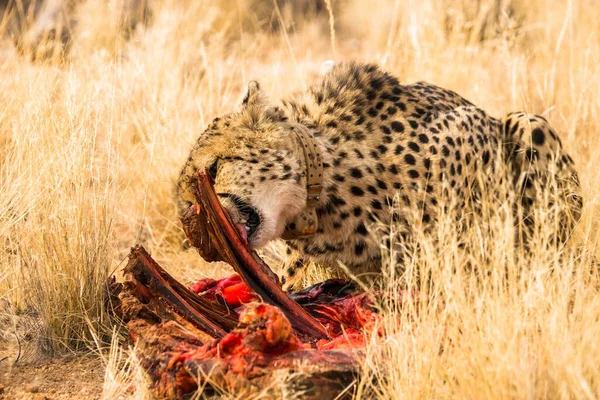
(255, 341)
(218, 328)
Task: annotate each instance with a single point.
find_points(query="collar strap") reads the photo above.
(306, 223)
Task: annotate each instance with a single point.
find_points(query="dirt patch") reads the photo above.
(59, 378)
(23, 375)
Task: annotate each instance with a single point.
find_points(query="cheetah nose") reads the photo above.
(243, 232)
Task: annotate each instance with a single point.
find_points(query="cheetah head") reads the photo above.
(256, 167)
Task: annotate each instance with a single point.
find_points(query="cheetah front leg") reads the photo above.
(297, 272)
(293, 271)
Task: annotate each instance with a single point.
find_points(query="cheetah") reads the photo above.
(320, 168)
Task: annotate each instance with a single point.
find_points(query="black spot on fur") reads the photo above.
(381, 184)
(414, 147)
(361, 229)
(409, 159)
(356, 173)
(413, 174)
(376, 204)
(355, 190)
(336, 201)
(359, 248)
(486, 157)
(397, 126)
(538, 137)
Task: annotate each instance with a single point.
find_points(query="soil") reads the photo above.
(63, 378)
(23, 375)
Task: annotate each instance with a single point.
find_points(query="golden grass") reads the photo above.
(91, 145)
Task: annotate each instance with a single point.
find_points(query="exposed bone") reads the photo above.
(164, 319)
(218, 335)
(212, 232)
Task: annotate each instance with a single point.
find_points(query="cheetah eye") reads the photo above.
(213, 169)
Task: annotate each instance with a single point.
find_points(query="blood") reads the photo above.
(231, 289)
(346, 313)
(178, 347)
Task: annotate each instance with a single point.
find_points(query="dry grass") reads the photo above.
(90, 148)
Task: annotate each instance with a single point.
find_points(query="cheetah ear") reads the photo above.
(254, 95)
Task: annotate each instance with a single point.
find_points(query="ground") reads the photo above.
(92, 142)
(24, 374)
(63, 378)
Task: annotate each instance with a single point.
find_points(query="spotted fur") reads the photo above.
(424, 146)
